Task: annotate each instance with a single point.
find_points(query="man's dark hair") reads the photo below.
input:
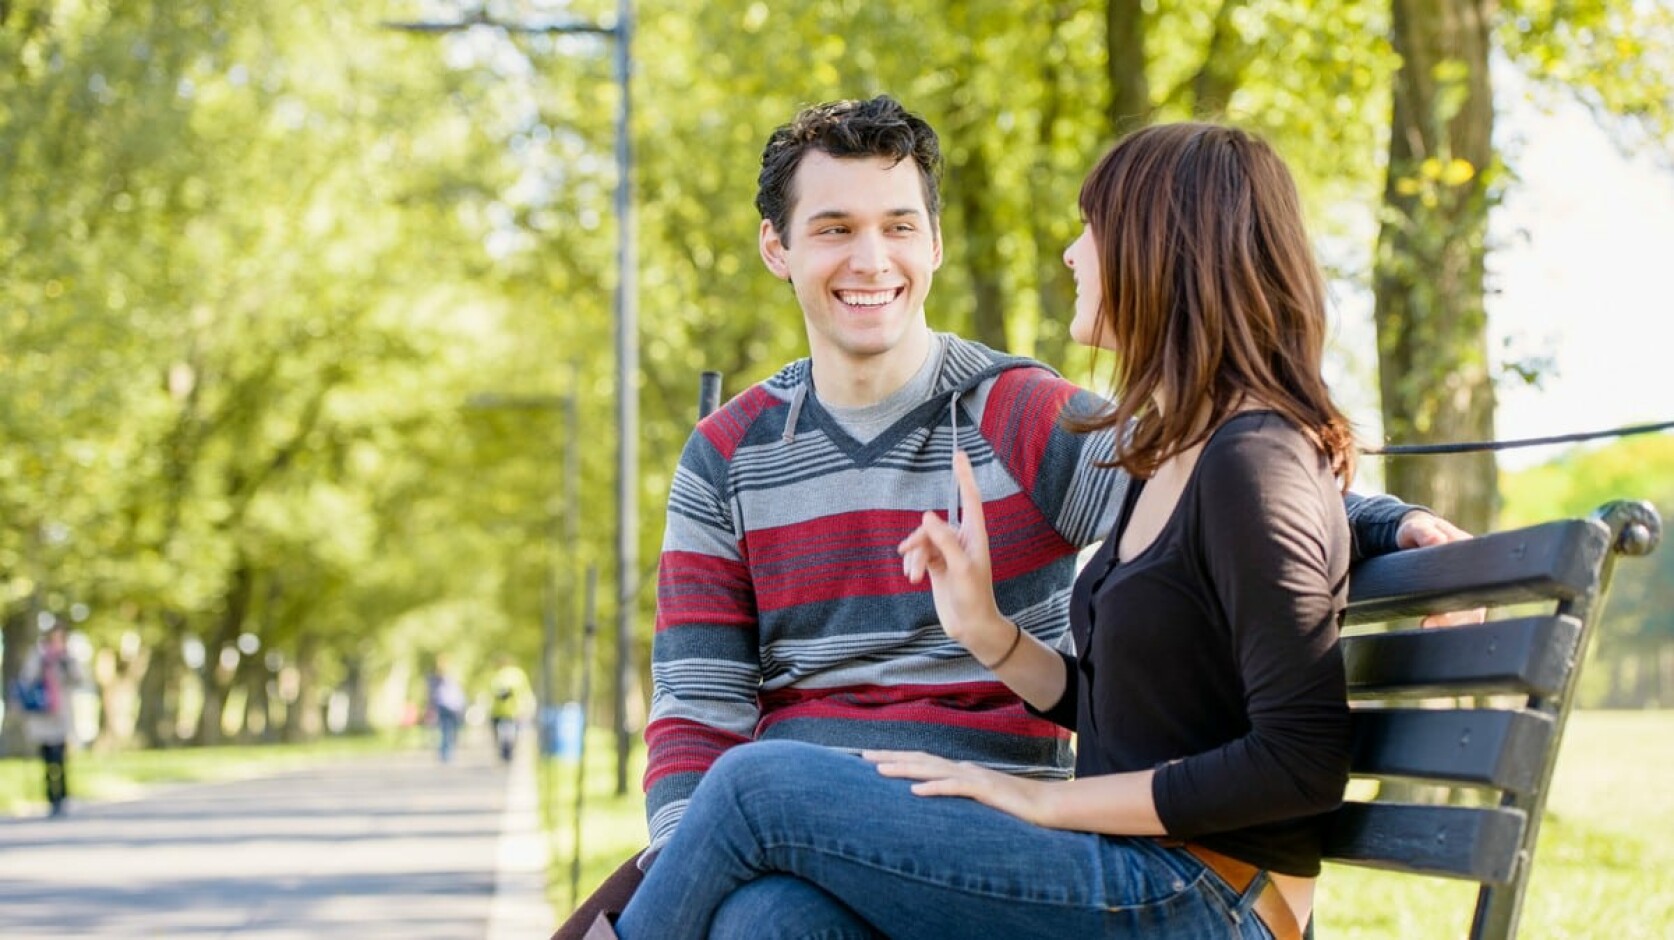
(877, 127)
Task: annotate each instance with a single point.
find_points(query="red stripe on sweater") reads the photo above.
(1021, 416)
(725, 428)
(981, 706)
(704, 589)
(680, 746)
(854, 554)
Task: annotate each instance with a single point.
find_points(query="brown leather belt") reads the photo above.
(1269, 905)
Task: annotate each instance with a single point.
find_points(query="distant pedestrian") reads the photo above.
(44, 694)
(446, 708)
(513, 701)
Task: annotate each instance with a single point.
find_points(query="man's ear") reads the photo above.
(773, 251)
(936, 254)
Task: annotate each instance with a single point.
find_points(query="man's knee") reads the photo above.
(769, 763)
(784, 907)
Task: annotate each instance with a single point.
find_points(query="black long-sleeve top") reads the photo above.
(1212, 656)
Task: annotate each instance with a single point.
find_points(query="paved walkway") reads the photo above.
(393, 846)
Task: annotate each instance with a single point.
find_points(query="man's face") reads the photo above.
(861, 252)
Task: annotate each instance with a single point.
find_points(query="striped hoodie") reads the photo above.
(782, 610)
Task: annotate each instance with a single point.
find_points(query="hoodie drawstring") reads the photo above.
(795, 412)
(953, 423)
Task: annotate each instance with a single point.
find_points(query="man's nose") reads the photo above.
(871, 253)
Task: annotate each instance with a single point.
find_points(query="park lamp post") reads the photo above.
(627, 334)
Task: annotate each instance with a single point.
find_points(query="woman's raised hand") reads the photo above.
(960, 571)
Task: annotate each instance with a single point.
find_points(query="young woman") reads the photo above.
(1207, 691)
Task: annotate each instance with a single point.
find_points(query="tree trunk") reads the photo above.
(970, 181)
(981, 239)
(216, 680)
(354, 686)
(18, 630)
(1054, 286)
(1428, 274)
(1665, 675)
(159, 687)
(302, 710)
(1130, 91)
(252, 678)
(120, 695)
(1223, 64)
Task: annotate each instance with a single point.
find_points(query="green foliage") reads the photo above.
(1637, 636)
(1579, 482)
(612, 827)
(258, 258)
(1611, 55)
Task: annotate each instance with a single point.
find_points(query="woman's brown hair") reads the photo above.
(1210, 293)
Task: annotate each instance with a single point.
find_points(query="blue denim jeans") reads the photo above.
(447, 730)
(870, 858)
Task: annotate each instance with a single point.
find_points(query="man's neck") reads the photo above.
(849, 382)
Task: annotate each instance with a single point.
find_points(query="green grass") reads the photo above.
(1601, 866)
(1600, 871)
(612, 829)
(97, 775)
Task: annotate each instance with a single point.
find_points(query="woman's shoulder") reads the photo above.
(1260, 456)
(1259, 435)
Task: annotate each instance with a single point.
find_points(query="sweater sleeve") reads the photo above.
(1023, 417)
(705, 664)
(1374, 521)
(1273, 543)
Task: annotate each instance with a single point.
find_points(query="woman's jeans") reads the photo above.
(870, 859)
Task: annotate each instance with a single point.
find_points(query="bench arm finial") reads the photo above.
(1635, 527)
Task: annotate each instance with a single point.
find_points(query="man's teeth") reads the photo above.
(866, 298)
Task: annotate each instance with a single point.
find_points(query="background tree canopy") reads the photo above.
(259, 260)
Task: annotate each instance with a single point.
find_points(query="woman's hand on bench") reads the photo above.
(1420, 529)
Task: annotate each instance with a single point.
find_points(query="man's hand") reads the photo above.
(1420, 529)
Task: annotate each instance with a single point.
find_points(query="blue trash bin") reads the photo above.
(570, 731)
(546, 724)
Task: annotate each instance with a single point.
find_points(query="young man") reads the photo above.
(783, 611)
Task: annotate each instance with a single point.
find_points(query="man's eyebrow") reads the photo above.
(827, 215)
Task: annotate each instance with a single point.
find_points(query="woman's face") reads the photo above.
(1082, 256)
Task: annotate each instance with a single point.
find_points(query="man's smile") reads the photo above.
(868, 298)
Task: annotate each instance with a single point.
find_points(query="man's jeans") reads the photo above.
(870, 859)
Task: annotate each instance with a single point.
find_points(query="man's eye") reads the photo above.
(832, 230)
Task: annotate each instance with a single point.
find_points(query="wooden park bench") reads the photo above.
(1479, 707)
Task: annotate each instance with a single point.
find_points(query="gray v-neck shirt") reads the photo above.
(865, 422)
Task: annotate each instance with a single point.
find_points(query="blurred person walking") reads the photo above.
(513, 701)
(44, 694)
(446, 707)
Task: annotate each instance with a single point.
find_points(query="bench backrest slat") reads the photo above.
(1528, 655)
(1476, 843)
(1552, 561)
(1480, 747)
